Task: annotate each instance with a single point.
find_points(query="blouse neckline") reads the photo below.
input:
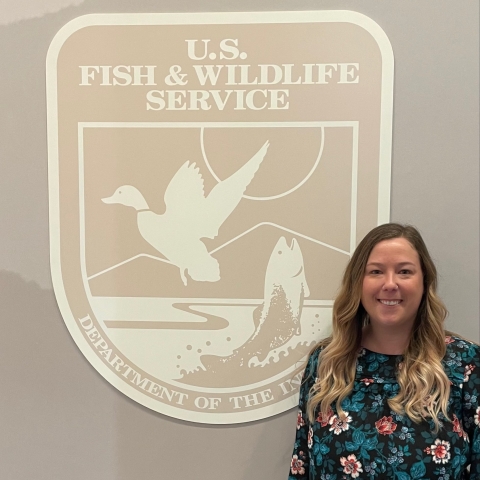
(390, 355)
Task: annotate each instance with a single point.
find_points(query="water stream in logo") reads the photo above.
(277, 321)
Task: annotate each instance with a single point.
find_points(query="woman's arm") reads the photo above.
(300, 464)
(471, 408)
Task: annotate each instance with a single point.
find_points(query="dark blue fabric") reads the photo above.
(376, 443)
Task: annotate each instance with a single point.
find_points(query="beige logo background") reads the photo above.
(200, 226)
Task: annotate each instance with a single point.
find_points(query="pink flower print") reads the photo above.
(457, 427)
(324, 419)
(385, 426)
(367, 381)
(310, 437)
(468, 371)
(440, 451)
(477, 416)
(300, 420)
(296, 467)
(449, 339)
(351, 466)
(337, 425)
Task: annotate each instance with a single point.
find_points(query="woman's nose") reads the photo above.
(390, 282)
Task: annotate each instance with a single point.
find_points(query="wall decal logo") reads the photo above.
(210, 175)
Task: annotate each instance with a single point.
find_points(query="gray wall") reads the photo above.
(59, 419)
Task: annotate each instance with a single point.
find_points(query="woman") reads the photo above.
(390, 395)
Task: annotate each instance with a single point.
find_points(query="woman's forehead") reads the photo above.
(399, 250)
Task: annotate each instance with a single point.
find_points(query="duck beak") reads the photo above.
(109, 199)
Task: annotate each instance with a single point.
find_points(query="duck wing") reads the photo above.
(185, 195)
(226, 195)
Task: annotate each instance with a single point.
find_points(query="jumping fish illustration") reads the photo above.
(277, 319)
(190, 216)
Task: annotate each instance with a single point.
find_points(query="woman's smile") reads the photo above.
(390, 302)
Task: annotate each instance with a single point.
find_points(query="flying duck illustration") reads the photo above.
(189, 216)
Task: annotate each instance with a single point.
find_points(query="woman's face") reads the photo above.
(392, 284)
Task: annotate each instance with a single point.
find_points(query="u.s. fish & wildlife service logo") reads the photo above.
(210, 175)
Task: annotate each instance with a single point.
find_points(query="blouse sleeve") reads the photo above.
(300, 464)
(471, 408)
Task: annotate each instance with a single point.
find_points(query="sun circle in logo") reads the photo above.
(276, 179)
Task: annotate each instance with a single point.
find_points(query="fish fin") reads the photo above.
(257, 315)
(183, 276)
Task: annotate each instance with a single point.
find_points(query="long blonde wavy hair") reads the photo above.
(424, 386)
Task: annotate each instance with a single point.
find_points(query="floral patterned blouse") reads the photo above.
(375, 443)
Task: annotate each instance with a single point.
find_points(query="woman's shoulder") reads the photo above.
(456, 343)
(462, 358)
(320, 346)
(313, 356)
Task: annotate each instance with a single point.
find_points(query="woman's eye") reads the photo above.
(375, 272)
(405, 272)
